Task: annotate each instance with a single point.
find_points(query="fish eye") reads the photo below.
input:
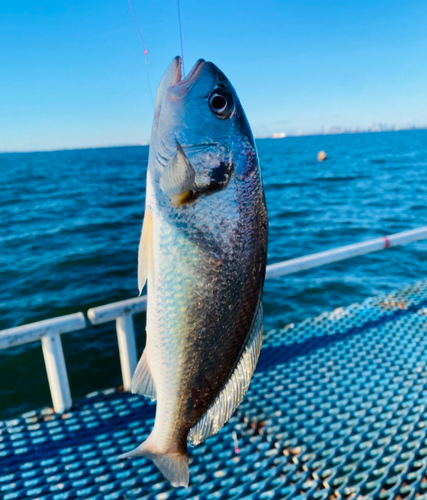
(221, 103)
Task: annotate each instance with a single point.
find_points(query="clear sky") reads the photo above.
(72, 73)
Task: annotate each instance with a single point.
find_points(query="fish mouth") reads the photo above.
(179, 86)
(175, 71)
(173, 86)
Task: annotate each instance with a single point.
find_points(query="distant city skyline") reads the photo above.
(379, 127)
(74, 74)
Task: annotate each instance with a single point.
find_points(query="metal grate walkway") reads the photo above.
(336, 409)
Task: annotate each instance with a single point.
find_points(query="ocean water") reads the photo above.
(70, 223)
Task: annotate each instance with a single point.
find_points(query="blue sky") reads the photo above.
(73, 72)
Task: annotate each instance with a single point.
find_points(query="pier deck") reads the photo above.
(336, 409)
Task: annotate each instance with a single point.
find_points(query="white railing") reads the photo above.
(122, 312)
(345, 252)
(49, 331)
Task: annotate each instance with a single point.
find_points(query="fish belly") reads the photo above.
(203, 290)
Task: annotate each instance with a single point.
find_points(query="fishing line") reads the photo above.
(180, 38)
(145, 50)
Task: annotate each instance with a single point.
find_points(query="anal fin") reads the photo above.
(142, 381)
(232, 394)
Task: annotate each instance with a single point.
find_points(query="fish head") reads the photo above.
(201, 136)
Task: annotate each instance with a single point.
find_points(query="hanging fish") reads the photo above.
(203, 254)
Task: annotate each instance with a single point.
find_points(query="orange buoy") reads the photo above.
(321, 156)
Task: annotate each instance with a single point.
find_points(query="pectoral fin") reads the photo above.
(178, 178)
(235, 388)
(145, 249)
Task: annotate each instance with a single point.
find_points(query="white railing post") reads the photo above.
(49, 332)
(56, 372)
(122, 312)
(127, 348)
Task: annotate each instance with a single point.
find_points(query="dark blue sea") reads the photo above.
(70, 223)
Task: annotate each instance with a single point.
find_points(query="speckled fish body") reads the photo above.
(203, 254)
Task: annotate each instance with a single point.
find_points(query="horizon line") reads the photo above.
(279, 136)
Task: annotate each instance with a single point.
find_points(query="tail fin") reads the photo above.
(174, 466)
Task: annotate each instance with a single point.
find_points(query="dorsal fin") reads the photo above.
(178, 177)
(145, 249)
(142, 381)
(235, 388)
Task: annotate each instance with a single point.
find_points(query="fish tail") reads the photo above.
(174, 466)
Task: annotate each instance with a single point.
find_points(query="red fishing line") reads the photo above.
(145, 49)
(138, 30)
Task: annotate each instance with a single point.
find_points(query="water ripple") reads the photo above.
(71, 222)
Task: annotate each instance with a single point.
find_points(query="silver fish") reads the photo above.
(203, 254)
